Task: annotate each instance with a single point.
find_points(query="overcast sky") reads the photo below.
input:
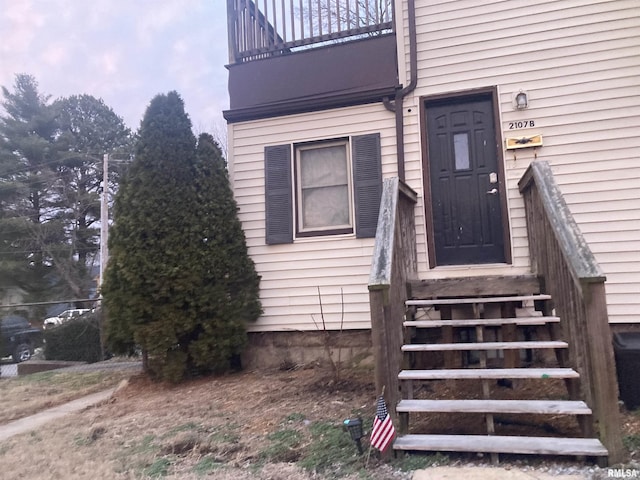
(123, 51)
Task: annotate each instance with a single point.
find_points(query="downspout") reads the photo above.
(396, 106)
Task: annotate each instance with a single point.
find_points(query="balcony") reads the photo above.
(294, 56)
(262, 29)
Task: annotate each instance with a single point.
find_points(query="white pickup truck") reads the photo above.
(65, 317)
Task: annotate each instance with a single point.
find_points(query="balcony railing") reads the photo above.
(264, 28)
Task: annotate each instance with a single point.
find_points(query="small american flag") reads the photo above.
(383, 432)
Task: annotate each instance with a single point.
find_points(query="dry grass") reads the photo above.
(249, 425)
(231, 427)
(22, 396)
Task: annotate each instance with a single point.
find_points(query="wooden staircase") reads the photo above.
(561, 265)
(492, 351)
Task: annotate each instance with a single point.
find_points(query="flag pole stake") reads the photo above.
(366, 464)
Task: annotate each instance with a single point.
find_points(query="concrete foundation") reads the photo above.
(293, 349)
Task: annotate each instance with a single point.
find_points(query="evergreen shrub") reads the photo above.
(179, 284)
(77, 340)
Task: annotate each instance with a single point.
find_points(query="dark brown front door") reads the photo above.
(463, 171)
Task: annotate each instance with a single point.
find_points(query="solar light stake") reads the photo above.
(354, 427)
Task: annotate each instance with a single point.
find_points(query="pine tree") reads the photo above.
(29, 228)
(168, 286)
(50, 174)
(87, 129)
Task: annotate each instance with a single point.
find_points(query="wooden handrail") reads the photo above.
(562, 259)
(584, 266)
(394, 263)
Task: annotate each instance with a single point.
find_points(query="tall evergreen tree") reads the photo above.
(29, 230)
(229, 282)
(50, 176)
(86, 130)
(167, 289)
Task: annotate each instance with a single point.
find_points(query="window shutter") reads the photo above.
(367, 180)
(278, 197)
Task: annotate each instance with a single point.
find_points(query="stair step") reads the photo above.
(459, 301)
(502, 444)
(553, 407)
(486, 322)
(487, 373)
(441, 347)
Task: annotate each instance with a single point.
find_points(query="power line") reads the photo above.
(35, 304)
(36, 168)
(95, 248)
(60, 162)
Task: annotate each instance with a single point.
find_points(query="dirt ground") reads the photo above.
(242, 425)
(247, 425)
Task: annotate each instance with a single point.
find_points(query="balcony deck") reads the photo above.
(295, 56)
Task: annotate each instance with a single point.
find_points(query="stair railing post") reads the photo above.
(393, 263)
(603, 380)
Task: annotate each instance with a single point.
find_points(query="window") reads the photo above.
(461, 151)
(331, 187)
(323, 193)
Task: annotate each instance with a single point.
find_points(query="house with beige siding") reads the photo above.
(397, 162)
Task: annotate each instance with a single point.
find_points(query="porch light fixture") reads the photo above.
(521, 100)
(354, 427)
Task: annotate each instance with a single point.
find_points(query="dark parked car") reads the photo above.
(18, 338)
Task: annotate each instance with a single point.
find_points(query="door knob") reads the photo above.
(493, 191)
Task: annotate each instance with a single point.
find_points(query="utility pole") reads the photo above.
(104, 218)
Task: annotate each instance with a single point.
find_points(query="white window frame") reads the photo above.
(347, 228)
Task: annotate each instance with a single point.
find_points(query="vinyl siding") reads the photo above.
(293, 273)
(579, 63)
